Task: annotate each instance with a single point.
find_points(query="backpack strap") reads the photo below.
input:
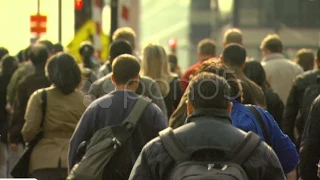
(245, 148)
(173, 146)
(262, 125)
(134, 116)
(44, 105)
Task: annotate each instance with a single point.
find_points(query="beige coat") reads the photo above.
(61, 117)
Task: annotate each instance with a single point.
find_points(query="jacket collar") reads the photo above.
(218, 114)
(273, 57)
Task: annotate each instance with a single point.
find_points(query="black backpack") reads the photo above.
(228, 169)
(107, 148)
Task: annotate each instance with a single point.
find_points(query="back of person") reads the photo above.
(111, 110)
(280, 71)
(172, 99)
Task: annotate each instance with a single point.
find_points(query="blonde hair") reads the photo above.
(233, 35)
(155, 65)
(125, 33)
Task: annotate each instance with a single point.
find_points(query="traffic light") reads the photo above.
(78, 4)
(83, 12)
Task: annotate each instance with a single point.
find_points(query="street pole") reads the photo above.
(60, 22)
(38, 13)
(114, 17)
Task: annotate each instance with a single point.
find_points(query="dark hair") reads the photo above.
(208, 90)
(211, 66)
(87, 51)
(57, 48)
(273, 43)
(3, 52)
(255, 72)
(26, 53)
(318, 54)
(207, 47)
(48, 44)
(305, 58)
(234, 55)
(64, 72)
(173, 61)
(38, 55)
(118, 48)
(9, 64)
(125, 67)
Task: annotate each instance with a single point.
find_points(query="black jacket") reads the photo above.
(4, 81)
(294, 103)
(205, 128)
(275, 105)
(310, 146)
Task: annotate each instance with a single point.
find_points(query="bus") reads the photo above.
(296, 21)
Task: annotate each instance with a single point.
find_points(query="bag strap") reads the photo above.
(43, 105)
(135, 114)
(245, 148)
(262, 125)
(173, 146)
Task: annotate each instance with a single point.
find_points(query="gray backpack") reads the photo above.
(106, 144)
(230, 168)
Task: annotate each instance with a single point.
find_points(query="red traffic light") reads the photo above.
(78, 4)
(173, 43)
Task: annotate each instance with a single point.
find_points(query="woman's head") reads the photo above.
(155, 65)
(254, 71)
(64, 72)
(8, 65)
(86, 51)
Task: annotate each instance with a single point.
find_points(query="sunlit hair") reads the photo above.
(155, 65)
(125, 33)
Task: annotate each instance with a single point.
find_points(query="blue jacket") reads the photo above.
(242, 118)
(110, 110)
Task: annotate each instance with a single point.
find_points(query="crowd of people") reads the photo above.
(243, 117)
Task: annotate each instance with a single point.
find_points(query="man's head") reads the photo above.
(118, 48)
(57, 48)
(305, 58)
(126, 70)
(234, 56)
(207, 90)
(271, 44)
(232, 36)
(48, 44)
(3, 52)
(206, 49)
(126, 34)
(38, 55)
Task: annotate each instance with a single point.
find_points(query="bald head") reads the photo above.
(232, 36)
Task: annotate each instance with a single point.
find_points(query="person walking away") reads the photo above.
(207, 137)
(305, 58)
(310, 143)
(174, 65)
(206, 50)
(280, 71)
(29, 84)
(155, 65)
(305, 88)
(255, 72)
(64, 107)
(8, 65)
(111, 110)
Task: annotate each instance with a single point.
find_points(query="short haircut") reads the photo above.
(38, 55)
(233, 36)
(64, 72)
(207, 90)
(211, 66)
(272, 43)
(57, 48)
(207, 47)
(305, 58)
(234, 55)
(8, 64)
(125, 68)
(118, 48)
(48, 44)
(3, 52)
(125, 33)
(86, 49)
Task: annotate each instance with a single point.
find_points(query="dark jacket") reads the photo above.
(26, 87)
(205, 128)
(294, 103)
(310, 146)
(275, 105)
(147, 87)
(4, 81)
(172, 99)
(110, 110)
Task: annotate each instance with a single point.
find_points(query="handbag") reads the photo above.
(21, 168)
